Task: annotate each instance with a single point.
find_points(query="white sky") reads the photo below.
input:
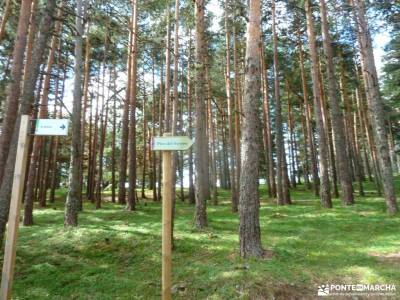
(380, 41)
(215, 7)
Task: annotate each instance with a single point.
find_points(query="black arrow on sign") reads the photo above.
(62, 126)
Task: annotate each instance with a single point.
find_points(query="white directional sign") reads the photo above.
(171, 143)
(51, 127)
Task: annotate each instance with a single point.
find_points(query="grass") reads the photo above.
(115, 254)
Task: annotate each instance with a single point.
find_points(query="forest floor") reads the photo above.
(115, 254)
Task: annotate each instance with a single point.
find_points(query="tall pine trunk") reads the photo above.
(375, 105)
(323, 148)
(38, 145)
(337, 121)
(85, 105)
(269, 156)
(74, 193)
(249, 202)
(131, 204)
(283, 193)
(309, 136)
(27, 101)
(211, 138)
(201, 144)
(237, 109)
(125, 129)
(14, 86)
(6, 15)
(113, 139)
(192, 199)
(232, 158)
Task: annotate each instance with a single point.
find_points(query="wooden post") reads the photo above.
(15, 205)
(167, 144)
(166, 224)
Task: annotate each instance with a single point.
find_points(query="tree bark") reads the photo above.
(237, 110)
(103, 131)
(307, 113)
(306, 164)
(291, 139)
(131, 204)
(375, 105)
(181, 156)
(98, 181)
(174, 121)
(211, 130)
(201, 144)
(283, 193)
(225, 149)
(54, 176)
(167, 94)
(230, 104)
(85, 105)
(323, 148)
(371, 146)
(362, 137)
(160, 122)
(74, 193)
(192, 199)
(357, 153)
(54, 139)
(125, 128)
(153, 159)
(95, 145)
(33, 24)
(27, 100)
(351, 129)
(113, 139)
(14, 86)
(249, 203)
(269, 158)
(392, 150)
(328, 131)
(6, 15)
(38, 145)
(144, 129)
(339, 137)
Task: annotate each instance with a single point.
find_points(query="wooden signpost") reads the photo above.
(166, 144)
(49, 128)
(15, 206)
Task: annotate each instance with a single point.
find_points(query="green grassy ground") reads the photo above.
(116, 254)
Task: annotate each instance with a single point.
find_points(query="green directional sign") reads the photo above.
(171, 143)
